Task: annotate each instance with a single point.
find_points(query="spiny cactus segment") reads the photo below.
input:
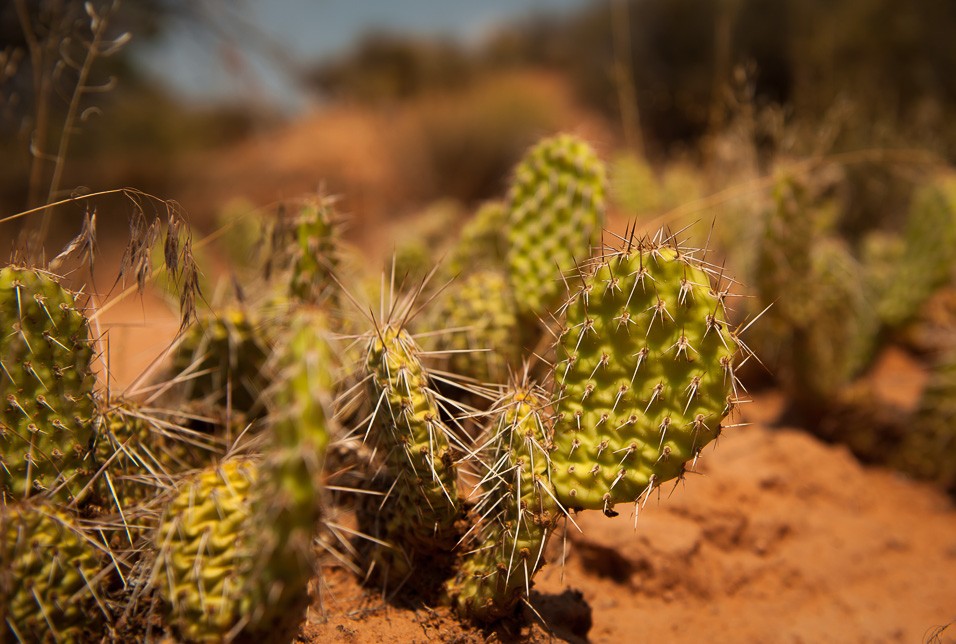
(928, 256)
(51, 576)
(483, 242)
(315, 260)
(644, 375)
(203, 565)
(220, 362)
(407, 428)
(46, 386)
(482, 331)
(518, 512)
(555, 212)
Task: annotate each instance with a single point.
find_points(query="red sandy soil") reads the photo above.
(780, 539)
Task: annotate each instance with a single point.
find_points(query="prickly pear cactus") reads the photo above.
(288, 499)
(928, 448)
(221, 359)
(556, 211)
(928, 258)
(819, 329)
(315, 260)
(49, 576)
(408, 430)
(644, 375)
(481, 325)
(483, 242)
(203, 563)
(518, 513)
(635, 188)
(46, 386)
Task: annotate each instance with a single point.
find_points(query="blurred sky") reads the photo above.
(261, 41)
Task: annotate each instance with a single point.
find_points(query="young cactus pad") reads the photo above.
(556, 208)
(644, 374)
(518, 510)
(49, 576)
(46, 385)
(409, 430)
(202, 560)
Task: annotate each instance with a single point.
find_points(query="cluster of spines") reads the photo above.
(46, 386)
(644, 374)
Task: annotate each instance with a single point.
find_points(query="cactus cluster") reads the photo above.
(215, 520)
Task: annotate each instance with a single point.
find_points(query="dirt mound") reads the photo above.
(776, 538)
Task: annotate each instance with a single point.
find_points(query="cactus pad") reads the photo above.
(48, 576)
(482, 336)
(409, 430)
(202, 561)
(518, 511)
(556, 209)
(644, 376)
(222, 357)
(46, 386)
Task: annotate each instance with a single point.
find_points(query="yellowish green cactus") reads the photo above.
(408, 430)
(315, 259)
(220, 362)
(203, 564)
(928, 256)
(635, 188)
(483, 242)
(481, 337)
(46, 386)
(644, 375)
(288, 498)
(518, 513)
(555, 213)
(51, 576)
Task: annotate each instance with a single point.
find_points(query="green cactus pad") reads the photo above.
(518, 514)
(482, 336)
(203, 564)
(644, 375)
(407, 428)
(928, 448)
(288, 499)
(928, 258)
(49, 576)
(556, 210)
(46, 386)
(222, 357)
(483, 243)
(315, 260)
